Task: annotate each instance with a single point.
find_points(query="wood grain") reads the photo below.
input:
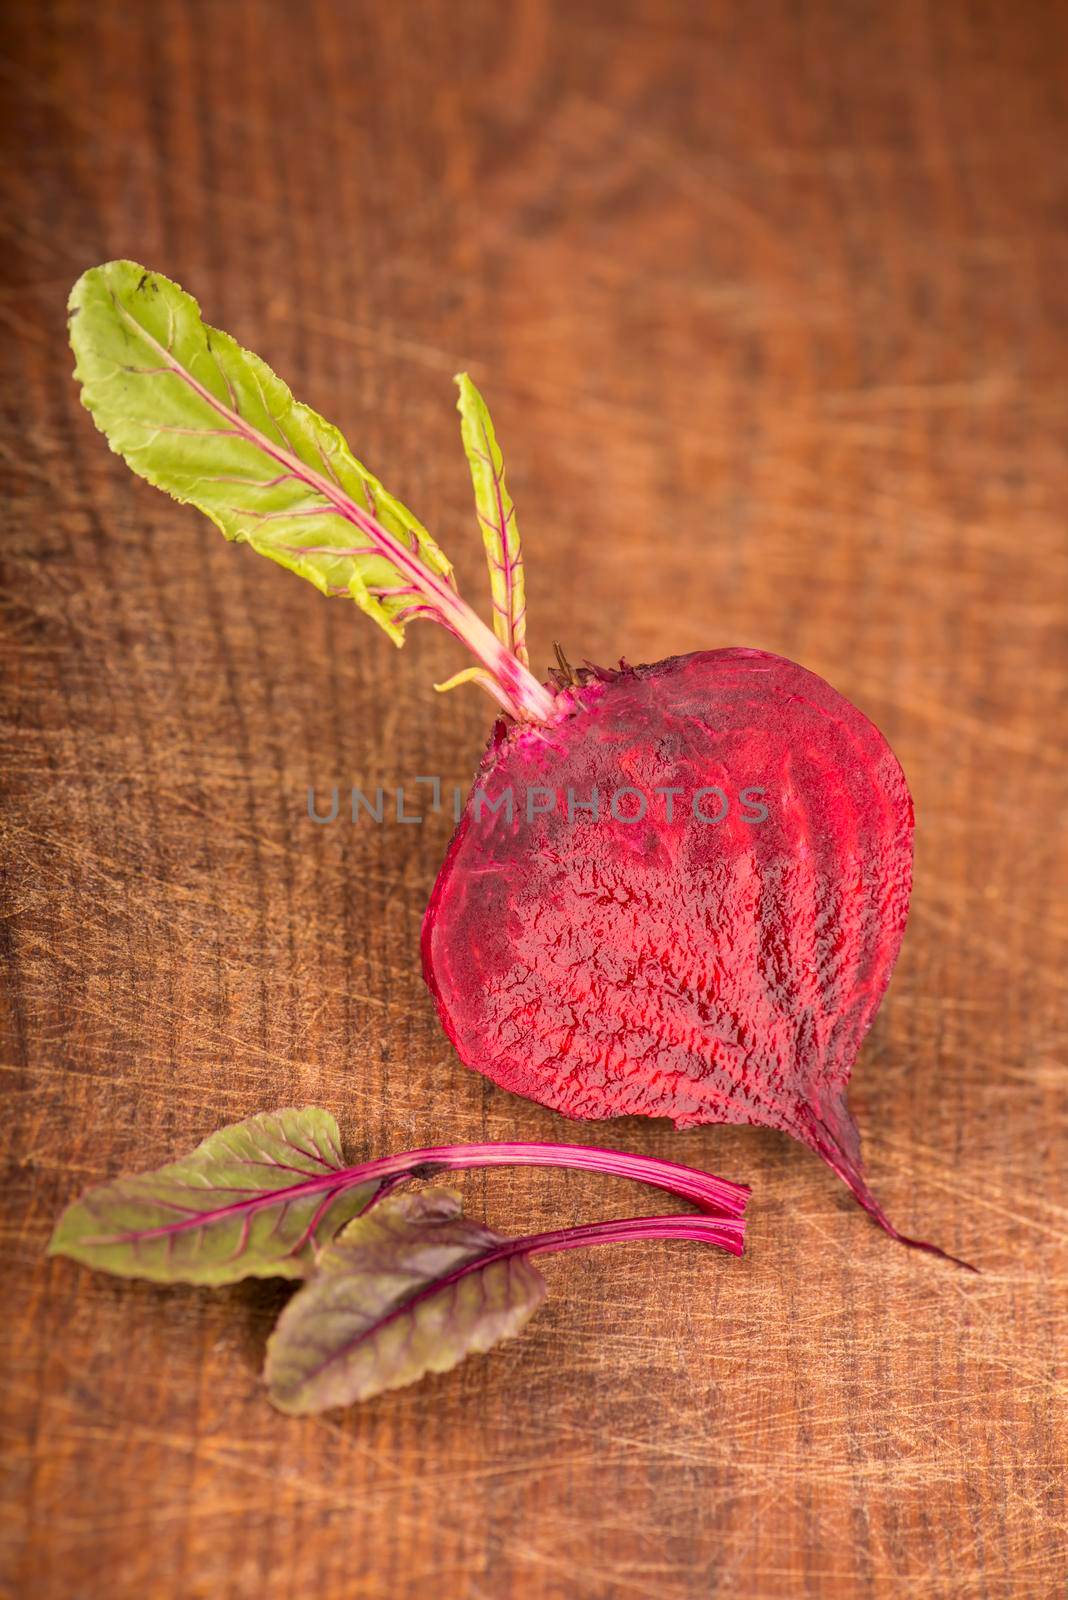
(771, 306)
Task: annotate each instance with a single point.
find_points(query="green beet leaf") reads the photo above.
(399, 1293)
(210, 423)
(254, 1200)
(496, 518)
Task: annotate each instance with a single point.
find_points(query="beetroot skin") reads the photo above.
(706, 971)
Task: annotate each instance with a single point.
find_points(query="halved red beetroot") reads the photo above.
(718, 957)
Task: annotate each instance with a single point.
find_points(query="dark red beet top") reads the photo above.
(704, 970)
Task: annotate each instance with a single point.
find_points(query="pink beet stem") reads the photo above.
(715, 1196)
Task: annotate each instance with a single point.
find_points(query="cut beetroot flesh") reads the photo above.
(703, 970)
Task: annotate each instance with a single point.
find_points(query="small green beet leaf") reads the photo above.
(255, 1200)
(210, 423)
(398, 1294)
(496, 518)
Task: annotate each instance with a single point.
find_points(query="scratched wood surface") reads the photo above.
(771, 304)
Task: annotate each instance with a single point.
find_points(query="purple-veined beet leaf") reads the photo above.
(413, 1287)
(260, 1198)
(253, 1200)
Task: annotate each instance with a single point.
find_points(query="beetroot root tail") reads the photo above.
(825, 1144)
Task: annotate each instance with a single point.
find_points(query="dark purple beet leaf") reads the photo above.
(413, 1287)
